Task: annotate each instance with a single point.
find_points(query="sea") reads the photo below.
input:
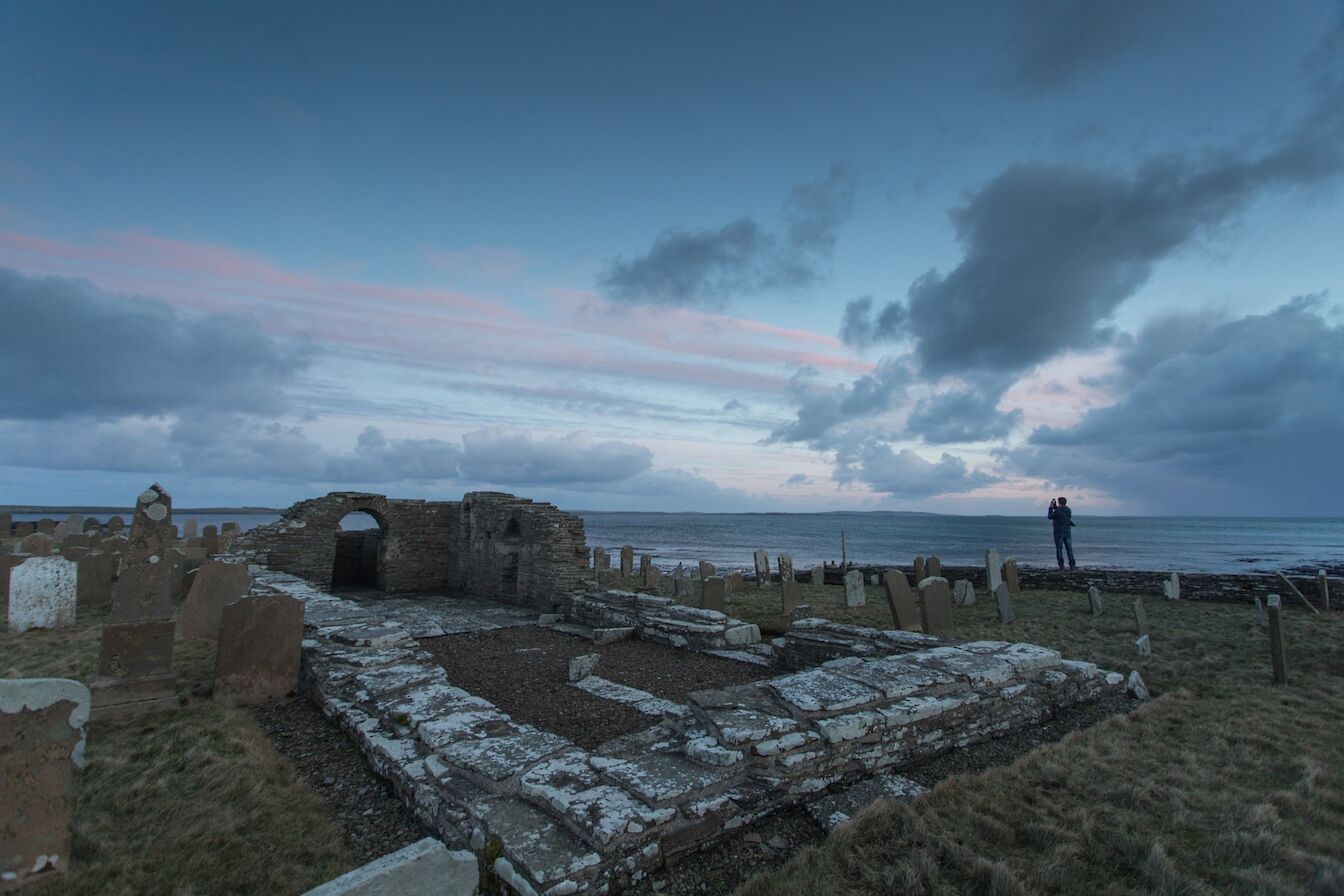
(1188, 544)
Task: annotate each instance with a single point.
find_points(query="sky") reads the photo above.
(955, 257)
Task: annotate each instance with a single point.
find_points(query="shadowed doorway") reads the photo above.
(359, 547)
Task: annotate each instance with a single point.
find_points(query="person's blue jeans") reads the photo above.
(1064, 542)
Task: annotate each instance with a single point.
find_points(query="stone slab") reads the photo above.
(425, 868)
(215, 585)
(258, 656)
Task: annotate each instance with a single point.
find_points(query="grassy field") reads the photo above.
(191, 802)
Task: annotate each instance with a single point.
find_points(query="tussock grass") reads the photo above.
(189, 802)
(1223, 784)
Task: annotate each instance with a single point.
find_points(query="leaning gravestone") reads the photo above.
(627, 561)
(258, 656)
(1094, 599)
(713, 593)
(785, 568)
(42, 726)
(42, 594)
(216, 584)
(1010, 576)
(919, 571)
(819, 575)
(1140, 616)
(1004, 599)
(935, 598)
(854, 596)
(789, 597)
(993, 570)
(93, 582)
(1171, 588)
(933, 566)
(901, 601)
(762, 562)
(964, 592)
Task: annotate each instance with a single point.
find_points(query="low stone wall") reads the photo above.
(662, 620)
(812, 642)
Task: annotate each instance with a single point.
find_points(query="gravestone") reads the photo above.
(1143, 645)
(215, 585)
(819, 575)
(189, 528)
(1259, 615)
(73, 553)
(258, 656)
(46, 526)
(23, 528)
(706, 570)
(1004, 599)
(933, 566)
(144, 583)
(76, 540)
(42, 727)
(42, 594)
(115, 525)
(93, 582)
(680, 571)
(713, 593)
(1141, 616)
(920, 574)
(681, 587)
(964, 592)
(790, 595)
(210, 540)
(993, 570)
(854, 596)
(1171, 588)
(1276, 649)
(785, 568)
(875, 579)
(1094, 599)
(645, 564)
(230, 526)
(1010, 576)
(762, 561)
(627, 561)
(1323, 589)
(601, 559)
(736, 584)
(901, 601)
(935, 600)
(38, 544)
(74, 524)
(226, 541)
(653, 576)
(6, 525)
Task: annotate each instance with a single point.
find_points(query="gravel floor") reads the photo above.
(375, 821)
(525, 672)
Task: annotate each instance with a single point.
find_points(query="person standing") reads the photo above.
(1061, 516)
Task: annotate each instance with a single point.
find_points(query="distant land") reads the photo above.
(17, 508)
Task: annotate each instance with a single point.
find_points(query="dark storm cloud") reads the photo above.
(821, 409)
(905, 474)
(68, 349)
(707, 266)
(1054, 42)
(1245, 413)
(961, 415)
(860, 329)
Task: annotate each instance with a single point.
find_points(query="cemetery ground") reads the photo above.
(1221, 784)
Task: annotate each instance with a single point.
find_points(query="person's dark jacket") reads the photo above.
(1062, 517)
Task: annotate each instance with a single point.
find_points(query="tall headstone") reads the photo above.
(42, 594)
(854, 596)
(920, 572)
(935, 599)
(258, 656)
(993, 570)
(933, 566)
(819, 575)
(144, 584)
(210, 538)
(190, 528)
(93, 582)
(789, 597)
(42, 726)
(901, 601)
(785, 568)
(1004, 599)
(706, 570)
(1010, 576)
(1141, 616)
(1171, 588)
(713, 593)
(627, 561)
(216, 584)
(645, 564)
(762, 561)
(1323, 589)
(964, 592)
(1094, 599)
(1276, 649)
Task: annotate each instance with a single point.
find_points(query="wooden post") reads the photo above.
(1323, 589)
(844, 559)
(1276, 640)
(1299, 594)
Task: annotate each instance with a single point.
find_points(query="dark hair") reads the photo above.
(1063, 501)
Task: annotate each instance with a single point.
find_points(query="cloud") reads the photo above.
(797, 480)
(69, 349)
(961, 415)
(819, 410)
(905, 474)
(1233, 416)
(707, 266)
(503, 456)
(859, 329)
(1055, 42)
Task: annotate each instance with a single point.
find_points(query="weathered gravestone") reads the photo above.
(933, 566)
(993, 570)
(210, 539)
(1171, 588)
(854, 596)
(920, 574)
(964, 592)
(258, 656)
(1010, 576)
(627, 561)
(1094, 600)
(74, 524)
(819, 575)
(1140, 616)
(645, 562)
(1004, 599)
(216, 584)
(901, 601)
(39, 544)
(115, 525)
(790, 595)
(785, 568)
(762, 561)
(42, 725)
(935, 605)
(190, 528)
(1259, 615)
(22, 529)
(601, 560)
(144, 584)
(653, 576)
(1143, 646)
(93, 582)
(713, 593)
(706, 570)
(1276, 648)
(736, 584)
(230, 526)
(681, 587)
(46, 526)
(42, 594)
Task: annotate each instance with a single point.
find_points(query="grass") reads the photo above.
(189, 802)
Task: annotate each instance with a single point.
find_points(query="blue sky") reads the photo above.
(952, 257)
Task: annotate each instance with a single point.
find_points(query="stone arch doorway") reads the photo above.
(360, 546)
(510, 545)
